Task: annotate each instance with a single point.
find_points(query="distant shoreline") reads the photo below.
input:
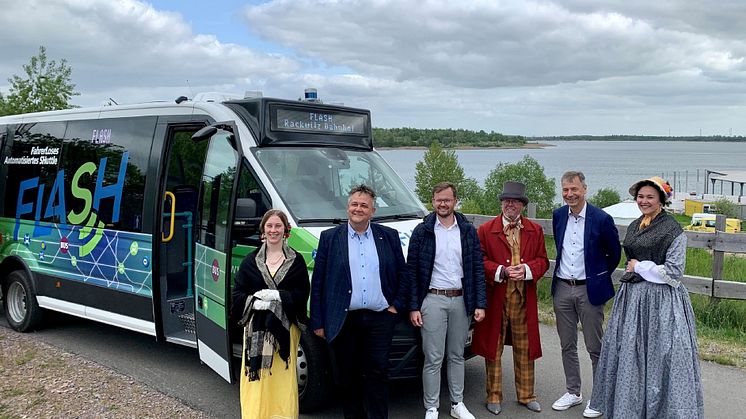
(468, 147)
(710, 139)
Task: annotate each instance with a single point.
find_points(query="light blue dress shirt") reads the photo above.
(364, 271)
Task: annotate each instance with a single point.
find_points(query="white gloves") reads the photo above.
(261, 305)
(267, 295)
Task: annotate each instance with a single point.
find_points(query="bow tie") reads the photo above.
(514, 224)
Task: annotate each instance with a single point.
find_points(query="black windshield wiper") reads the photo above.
(405, 216)
(320, 220)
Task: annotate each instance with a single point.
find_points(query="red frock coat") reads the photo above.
(496, 252)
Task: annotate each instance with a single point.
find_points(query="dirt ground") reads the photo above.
(40, 381)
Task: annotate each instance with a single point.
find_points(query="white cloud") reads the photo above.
(516, 66)
(487, 44)
(129, 48)
(531, 67)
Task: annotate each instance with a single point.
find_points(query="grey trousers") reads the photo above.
(570, 305)
(445, 327)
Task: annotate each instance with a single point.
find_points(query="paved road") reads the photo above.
(176, 371)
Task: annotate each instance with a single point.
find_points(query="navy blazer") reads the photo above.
(331, 284)
(601, 249)
(421, 258)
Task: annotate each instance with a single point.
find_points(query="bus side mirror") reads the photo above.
(246, 224)
(204, 133)
(245, 209)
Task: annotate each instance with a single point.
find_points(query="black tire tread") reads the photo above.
(319, 381)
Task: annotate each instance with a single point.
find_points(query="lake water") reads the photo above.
(606, 164)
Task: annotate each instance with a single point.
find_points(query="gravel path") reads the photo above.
(39, 381)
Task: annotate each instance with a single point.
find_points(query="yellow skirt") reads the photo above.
(275, 395)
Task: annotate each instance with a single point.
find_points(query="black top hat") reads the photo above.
(514, 190)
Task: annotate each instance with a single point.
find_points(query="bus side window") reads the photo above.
(111, 156)
(34, 152)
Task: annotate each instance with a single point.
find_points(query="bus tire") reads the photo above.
(314, 374)
(21, 308)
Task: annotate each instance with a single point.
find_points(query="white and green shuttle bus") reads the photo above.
(138, 216)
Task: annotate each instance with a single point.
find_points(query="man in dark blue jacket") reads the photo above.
(447, 288)
(356, 292)
(588, 251)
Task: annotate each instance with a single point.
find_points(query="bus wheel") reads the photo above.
(21, 309)
(314, 379)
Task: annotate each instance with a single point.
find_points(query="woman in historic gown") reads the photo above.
(270, 298)
(648, 366)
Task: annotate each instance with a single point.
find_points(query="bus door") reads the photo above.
(183, 167)
(212, 257)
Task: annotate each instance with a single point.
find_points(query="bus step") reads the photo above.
(187, 319)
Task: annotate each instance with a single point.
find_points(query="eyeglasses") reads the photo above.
(443, 201)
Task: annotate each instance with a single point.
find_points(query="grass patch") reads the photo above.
(718, 359)
(12, 392)
(699, 263)
(36, 402)
(54, 363)
(26, 357)
(684, 220)
(4, 414)
(724, 318)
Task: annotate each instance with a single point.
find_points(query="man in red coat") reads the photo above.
(514, 260)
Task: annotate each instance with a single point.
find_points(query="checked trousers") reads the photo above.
(514, 322)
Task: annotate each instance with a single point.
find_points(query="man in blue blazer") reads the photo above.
(357, 289)
(588, 251)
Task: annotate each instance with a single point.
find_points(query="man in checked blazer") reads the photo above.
(357, 289)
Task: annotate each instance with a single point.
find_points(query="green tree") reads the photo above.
(438, 165)
(470, 197)
(539, 189)
(47, 86)
(605, 197)
(726, 207)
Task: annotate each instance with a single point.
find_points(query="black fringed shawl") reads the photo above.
(267, 331)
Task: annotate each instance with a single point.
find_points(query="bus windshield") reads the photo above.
(314, 182)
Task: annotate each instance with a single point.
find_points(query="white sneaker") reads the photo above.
(459, 411)
(431, 413)
(567, 401)
(590, 413)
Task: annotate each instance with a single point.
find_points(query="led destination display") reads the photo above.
(320, 122)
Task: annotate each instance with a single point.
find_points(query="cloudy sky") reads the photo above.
(517, 67)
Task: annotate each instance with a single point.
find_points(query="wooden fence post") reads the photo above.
(718, 257)
(531, 210)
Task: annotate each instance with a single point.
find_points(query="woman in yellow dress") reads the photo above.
(269, 298)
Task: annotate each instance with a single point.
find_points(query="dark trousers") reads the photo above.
(361, 351)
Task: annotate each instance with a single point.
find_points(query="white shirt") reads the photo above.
(572, 262)
(671, 272)
(448, 267)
